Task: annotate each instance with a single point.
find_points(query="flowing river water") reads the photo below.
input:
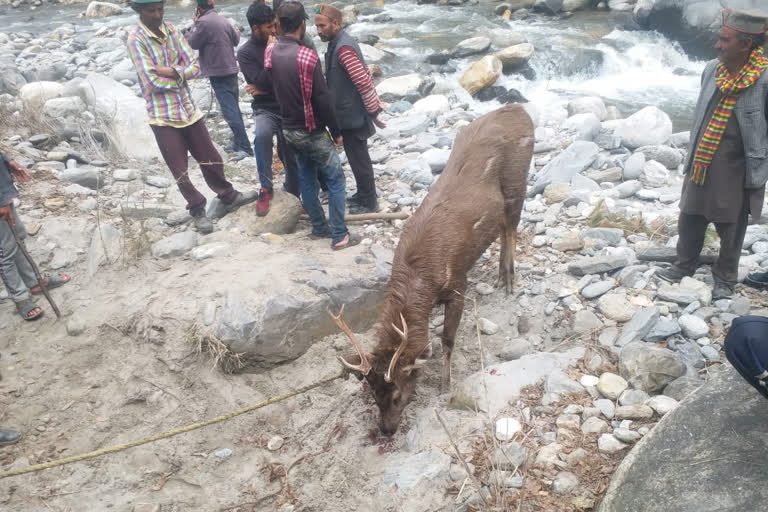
(578, 56)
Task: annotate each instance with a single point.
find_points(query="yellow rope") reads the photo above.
(165, 435)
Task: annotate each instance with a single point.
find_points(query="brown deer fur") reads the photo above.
(478, 197)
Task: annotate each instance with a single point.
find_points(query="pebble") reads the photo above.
(625, 435)
(568, 421)
(607, 443)
(75, 326)
(488, 327)
(710, 353)
(484, 289)
(634, 412)
(564, 483)
(589, 381)
(662, 404)
(275, 443)
(607, 407)
(223, 452)
(594, 426)
(158, 181)
(633, 397)
(597, 289)
(693, 327)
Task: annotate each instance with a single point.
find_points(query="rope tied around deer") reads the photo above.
(171, 433)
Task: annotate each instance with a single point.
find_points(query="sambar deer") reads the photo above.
(478, 197)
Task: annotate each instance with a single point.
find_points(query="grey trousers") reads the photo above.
(692, 228)
(15, 271)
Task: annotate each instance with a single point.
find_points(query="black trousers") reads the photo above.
(693, 228)
(746, 347)
(356, 148)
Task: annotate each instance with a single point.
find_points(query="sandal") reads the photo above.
(52, 282)
(26, 307)
(349, 241)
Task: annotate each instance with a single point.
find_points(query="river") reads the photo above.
(578, 56)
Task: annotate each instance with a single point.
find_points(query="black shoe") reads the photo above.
(357, 209)
(672, 274)
(202, 223)
(757, 280)
(722, 290)
(354, 199)
(9, 437)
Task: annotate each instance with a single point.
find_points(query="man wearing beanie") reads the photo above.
(355, 99)
(164, 63)
(727, 167)
(216, 39)
(306, 111)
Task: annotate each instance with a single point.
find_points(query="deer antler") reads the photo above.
(364, 367)
(404, 343)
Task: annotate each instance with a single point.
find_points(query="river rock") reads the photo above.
(503, 38)
(471, 46)
(594, 425)
(649, 126)
(597, 289)
(35, 94)
(373, 55)
(648, 367)
(616, 307)
(607, 443)
(432, 105)
(436, 159)
(585, 321)
(102, 10)
(682, 387)
(416, 171)
(84, 176)
(407, 126)
(662, 404)
(693, 327)
(57, 109)
(629, 188)
(481, 74)
(633, 167)
(611, 236)
(611, 385)
(410, 87)
(564, 483)
(639, 326)
(662, 330)
(598, 264)
(126, 114)
(175, 245)
(633, 397)
(583, 126)
(634, 412)
(669, 157)
(576, 5)
(548, 6)
(654, 174)
(11, 80)
(676, 293)
(573, 160)
(516, 56)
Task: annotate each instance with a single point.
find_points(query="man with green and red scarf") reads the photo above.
(727, 167)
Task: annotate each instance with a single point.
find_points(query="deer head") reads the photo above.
(392, 384)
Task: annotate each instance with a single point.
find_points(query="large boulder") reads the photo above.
(102, 10)
(481, 74)
(647, 127)
(648, 367)
(123, 114)
(515, 57)
(283, 216)
(373, 55)
(410, 87)
(57, 109)
(709, 446)
(574, 160)
(692, 23)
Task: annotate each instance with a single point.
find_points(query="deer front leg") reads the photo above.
(453, 311)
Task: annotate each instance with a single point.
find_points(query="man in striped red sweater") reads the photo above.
(356, 102)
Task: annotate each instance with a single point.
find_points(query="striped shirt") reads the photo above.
(169, 101)
(361, 77)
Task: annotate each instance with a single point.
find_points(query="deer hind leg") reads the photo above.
(453, 311)
(507, 258)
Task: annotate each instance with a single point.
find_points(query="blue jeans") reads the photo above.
(227, 94)
(316, 157)
(266, 125)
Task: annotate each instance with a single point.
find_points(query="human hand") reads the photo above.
(253, 90)
(6, 215)
(338, 140)
(379, 123)
(166, 71)
(19, 172)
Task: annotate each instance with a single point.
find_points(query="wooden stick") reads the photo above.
(35, 269)
(365, 217)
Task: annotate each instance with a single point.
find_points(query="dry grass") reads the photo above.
(212, 346)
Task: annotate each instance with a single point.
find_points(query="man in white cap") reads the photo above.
(727, 167)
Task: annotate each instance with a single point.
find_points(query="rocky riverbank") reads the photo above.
(553, 384)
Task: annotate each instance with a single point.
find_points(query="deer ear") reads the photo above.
(417, 365)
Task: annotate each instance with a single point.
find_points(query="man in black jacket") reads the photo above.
(266, 110)
(355, 100)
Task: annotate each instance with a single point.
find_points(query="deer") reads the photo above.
(477, 199)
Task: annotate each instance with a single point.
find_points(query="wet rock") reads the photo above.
(649, 368)
(471, 46)
(481, 74)
(514, 57)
